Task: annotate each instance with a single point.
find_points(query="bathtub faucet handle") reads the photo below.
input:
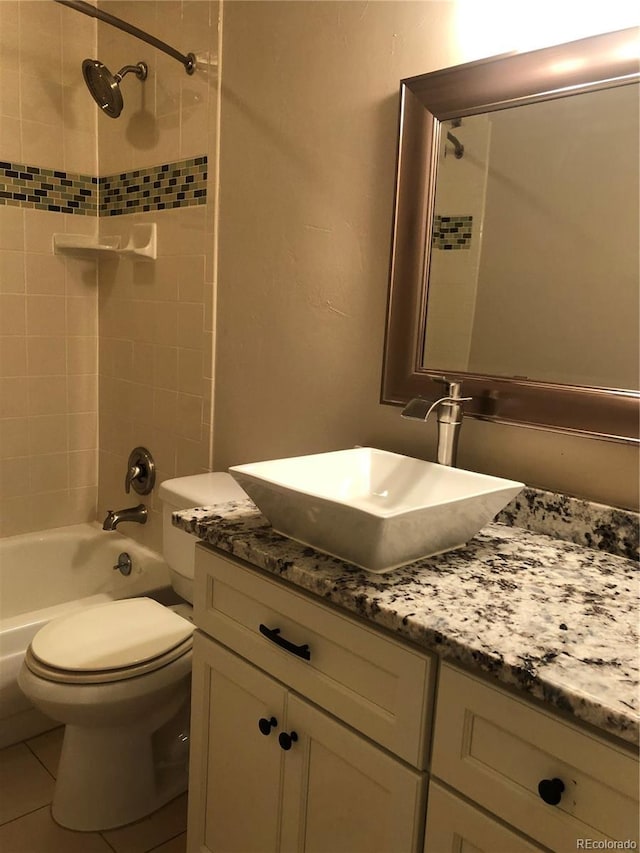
(132, 474)
(141, 471)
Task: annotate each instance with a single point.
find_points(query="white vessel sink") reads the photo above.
(376, 509)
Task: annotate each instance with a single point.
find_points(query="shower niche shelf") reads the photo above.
(142, 245)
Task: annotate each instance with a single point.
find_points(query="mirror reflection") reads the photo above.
(535, 246)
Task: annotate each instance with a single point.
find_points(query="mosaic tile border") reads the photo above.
(48, 189)
(182, 183)
(452, 232)
(179, 184)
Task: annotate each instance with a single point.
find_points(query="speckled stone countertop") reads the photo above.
(549, 616)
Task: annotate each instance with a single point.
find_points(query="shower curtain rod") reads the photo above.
(189, 61)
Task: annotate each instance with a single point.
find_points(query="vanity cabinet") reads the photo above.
(456, 826)
(304, 725)
(549, 779)
(312, 732)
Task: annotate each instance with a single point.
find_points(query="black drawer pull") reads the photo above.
(265, 725)
(286, 740)
(551, 790)
(273, 634)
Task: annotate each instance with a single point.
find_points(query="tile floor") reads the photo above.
(27, 774)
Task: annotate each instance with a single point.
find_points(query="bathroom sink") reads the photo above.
(376, 509)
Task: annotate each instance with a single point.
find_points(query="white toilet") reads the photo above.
(118, 676)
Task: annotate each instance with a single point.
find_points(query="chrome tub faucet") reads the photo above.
(449, 414)
(137, 514)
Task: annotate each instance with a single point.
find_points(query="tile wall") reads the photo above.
(156, 319)
(48, 304)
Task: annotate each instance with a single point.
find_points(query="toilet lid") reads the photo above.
(110, 636)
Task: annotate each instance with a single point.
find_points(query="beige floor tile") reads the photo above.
(148, 833)
(39, 833)
(24, 784)
(176, 845)
(46, 747)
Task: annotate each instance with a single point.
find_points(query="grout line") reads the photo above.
(37, 757)
(26, 814)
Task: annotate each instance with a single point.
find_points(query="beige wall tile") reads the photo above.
(47, 434)
(46, 315)
(42, 143)
(190, 371)
(15, 514)
(42, 124)
(13, 398)
(14, 440)
(83, 468)
(39, 228)
(83, 431)
(165, 409)
(46, 356)
(47, 395)
(82, 316)
(45, 273)
(13, 355)
(142, 366)
(12, 277)
(13, 314)
(11, 138)
(165, 368)
(190, 332)
(141, 400)
(82, 394)
(82, 355)
(189, 414)
(165, 323)
(49, 472)
(12, 228)
(116, 436)
(14, 477)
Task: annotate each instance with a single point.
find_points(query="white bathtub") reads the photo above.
(48, 574)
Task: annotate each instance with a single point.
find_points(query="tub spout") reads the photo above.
(138, 514)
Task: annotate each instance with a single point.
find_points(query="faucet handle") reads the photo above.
(133, 473)
(453, 390)
(141, 471)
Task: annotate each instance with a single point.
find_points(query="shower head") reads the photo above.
(105, 86)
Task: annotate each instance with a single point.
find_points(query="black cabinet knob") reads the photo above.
(286, 740)
(551, 790)
(265, 725)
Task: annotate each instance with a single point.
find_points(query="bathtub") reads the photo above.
(52, 573)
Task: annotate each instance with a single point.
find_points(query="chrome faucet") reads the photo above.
(449, 410)
(137, 514)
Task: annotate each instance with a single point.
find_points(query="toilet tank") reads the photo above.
(183, 493)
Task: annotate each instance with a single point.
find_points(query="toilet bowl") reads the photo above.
(118, 676)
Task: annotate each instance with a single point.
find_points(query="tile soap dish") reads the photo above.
(142, 245)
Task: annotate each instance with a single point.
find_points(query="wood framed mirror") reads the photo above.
(540, 135)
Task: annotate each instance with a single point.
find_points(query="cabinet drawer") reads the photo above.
(455, 826)
(496, 748)
(378, 686)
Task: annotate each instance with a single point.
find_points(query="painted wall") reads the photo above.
(308, 138)
(48, 304)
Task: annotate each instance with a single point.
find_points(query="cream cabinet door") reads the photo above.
(342, 794)
(234, 785)
(455, 826)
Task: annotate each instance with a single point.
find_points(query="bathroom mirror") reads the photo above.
(515, 253)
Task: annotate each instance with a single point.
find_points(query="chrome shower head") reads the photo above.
(105, 86)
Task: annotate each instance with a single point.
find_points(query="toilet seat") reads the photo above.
(109, 642)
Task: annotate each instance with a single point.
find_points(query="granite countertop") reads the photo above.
(551, 617)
